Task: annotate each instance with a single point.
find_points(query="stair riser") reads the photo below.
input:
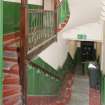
(12, 100)
(10, 59)
(13, 70)
(11, 92)
(11, 81)
(12, 41)
(14, 49)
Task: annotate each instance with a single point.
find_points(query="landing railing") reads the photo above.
(42, 26)
(41, 29)
(62, 12)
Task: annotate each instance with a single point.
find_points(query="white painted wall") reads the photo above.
(56, 54)
(13, 0)
(37, 2)
(72, 48)
(92, 30)
(48, 4)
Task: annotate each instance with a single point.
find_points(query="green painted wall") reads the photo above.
(41, 84)
(11, 14)
(1, 48)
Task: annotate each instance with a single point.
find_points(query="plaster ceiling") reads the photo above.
(83, 12)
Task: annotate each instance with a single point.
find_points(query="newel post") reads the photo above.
(23, 48)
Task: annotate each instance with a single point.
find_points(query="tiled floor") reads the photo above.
(80, 91)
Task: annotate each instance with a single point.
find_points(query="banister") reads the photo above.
(40, 31)
(45, 70)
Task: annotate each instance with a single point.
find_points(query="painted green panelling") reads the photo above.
(11, 10)
(41, 84)
(11, 14)
(69, 63)
(102, 89)
(1, 49)
(77, 56)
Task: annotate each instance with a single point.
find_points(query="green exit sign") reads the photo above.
(82, 36)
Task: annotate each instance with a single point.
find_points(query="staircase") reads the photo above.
(58, 96)
(11, 84)
(12, 90)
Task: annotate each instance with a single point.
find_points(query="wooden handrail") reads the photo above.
(45, 70)
(38, 10)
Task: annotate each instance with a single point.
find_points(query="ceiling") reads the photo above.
(83, 12)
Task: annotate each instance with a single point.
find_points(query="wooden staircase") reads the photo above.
(12, 89)
(12, 94)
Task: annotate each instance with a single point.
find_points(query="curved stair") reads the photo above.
(12, 94)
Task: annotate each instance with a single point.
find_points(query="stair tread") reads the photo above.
(12, 96)
(12, 99)
(9, 75)
(11, 41)
(8, 65)
(14, 70)
(8, 89)
(10, 54)
(12, 86)
(10, 48)
(11, 92)
(19, 102)
(14, 45)
(42, 99)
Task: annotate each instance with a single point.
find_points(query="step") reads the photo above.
(13, 102)
(11, 78)
(10, 48)
(9, 65)
(63, 24)
(8, 98)
(11, 90)
(10, 56)
(11, 41)
(42, 100)
(11, 81)
(19, 102)
(14, 70)
(9, 75)
(12, 99)
(14, 45)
